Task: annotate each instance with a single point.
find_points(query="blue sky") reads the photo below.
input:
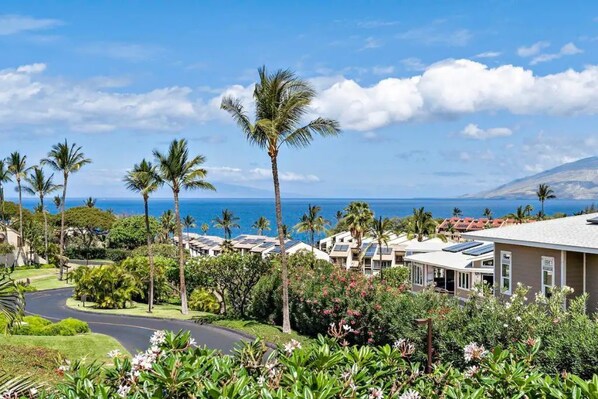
(436, 99)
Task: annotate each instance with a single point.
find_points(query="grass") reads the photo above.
(41, 279)
(267, 332)
(163, 311)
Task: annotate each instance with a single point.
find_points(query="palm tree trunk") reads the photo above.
(41, 201)
(542, 202)
(20, 251)
(286, 319)
(3, 211)
(62, 204)
(179, 232)
(150, 256)
(380, 250)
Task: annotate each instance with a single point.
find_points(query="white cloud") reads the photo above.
(232, 174)
(488, 54)
(383, 70)
(435, 34)
(11, 24)
(370, 43)
(567, 49)
(413, 64)
(533, 49)
(473, 131)
(122, 51)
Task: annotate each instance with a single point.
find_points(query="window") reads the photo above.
(418, 274)
(505, 272)
(464, 280)
(547, 275)
(488, 263)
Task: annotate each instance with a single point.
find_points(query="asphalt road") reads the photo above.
(132, 332)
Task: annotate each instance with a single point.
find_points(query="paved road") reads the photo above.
(132, 332)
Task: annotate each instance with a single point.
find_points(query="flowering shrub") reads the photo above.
(173, 367)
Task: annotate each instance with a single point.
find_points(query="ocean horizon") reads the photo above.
(204, 210)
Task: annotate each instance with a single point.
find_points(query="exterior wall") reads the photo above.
(575, 272)
(592, 282)
(525, 266)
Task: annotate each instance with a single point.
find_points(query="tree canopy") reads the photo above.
(130, 232)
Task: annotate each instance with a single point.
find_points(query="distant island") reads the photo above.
(573, 180)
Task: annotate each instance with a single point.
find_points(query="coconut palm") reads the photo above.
(189, 223)
(180, 172)
(528, 210)
(457, 212)
(57, 202)
(17, 166)
(339, 216)
(168, 224)
(4, 178)
(312, 223)
(227, 221)
(67, 160)
(282, 101)
(487, 213)
(358, 218)
(204, 228)
(520, 215)
(380, 230)
(143, 179)
(421, 225)
(544, 192)
(41, 186)
(90, 202)
(261, 224)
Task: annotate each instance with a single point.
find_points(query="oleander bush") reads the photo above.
(174, 367)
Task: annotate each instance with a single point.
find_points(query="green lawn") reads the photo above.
(266, 332)
(41, 279)
(165, 311)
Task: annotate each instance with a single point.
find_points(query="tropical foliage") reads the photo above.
(227, 221)
(109, 286)
(130, 232)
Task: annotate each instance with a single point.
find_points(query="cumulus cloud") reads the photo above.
(567, 49)
(533, 49)
(232, 174)
(473, 131)
(11, 24)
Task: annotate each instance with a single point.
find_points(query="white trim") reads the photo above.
(584, 272)
(532, 244)
(413, 279)
(563, 268)
(469, 277)
(542, 285)
(506, 292)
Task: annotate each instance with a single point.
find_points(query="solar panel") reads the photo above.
(386, 250)
(462, 246)
(484, 249)
(593, 220)
(267, 245)
(341, 248)
(371, 250)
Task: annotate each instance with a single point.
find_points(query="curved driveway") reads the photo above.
(132, 332)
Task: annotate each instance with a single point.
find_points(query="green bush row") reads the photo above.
(36, 325)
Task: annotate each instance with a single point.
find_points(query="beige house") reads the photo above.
(17, 257)
(556, 252)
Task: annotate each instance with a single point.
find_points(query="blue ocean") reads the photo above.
(248, 210)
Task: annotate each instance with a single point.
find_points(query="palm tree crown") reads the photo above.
(380, 230)
(261, 224)
(421, 225)
(4, 178)
(358, 218)
(312, 222)
(520, 215)
(544, 192)
(457, 212)
(227, 221)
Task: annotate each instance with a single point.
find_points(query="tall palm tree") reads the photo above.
(180, 172)
(544, 192)
(189, 223)
(261, 224)
(67, 160)
(457, 212)
(90, 202)
(282, 101)
(204, 228)
(339, 216)
(358, 218)
(380, 230)
(168, 224)
(528, 210)
(421, 225)
(312, 222)
(41, 186)
(487, 213)
(17, 166)
(143, 179)
(227, 221)
(4, 178)
(520, 215)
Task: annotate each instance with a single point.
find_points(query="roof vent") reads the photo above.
(593, 220)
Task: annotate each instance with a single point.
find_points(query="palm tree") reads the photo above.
(339, 216)
(358, 218)
(487, 213)
(312, 222)
(379, 231)
(90, 202)
(4, 178)
(41, 186)
(528, 210)
(143, 179)
(421, 224)
(168, 224)
(12, 303)
(520, 215)
(181, 173)
(66, 159)
(17, 166)
(457, 212)
(204, 228)
(189, 223)
(281, 103)
(227, 221)
(261, 224)
(57, 202)
(544, 193)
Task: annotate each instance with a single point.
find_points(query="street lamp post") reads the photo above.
(423, 322)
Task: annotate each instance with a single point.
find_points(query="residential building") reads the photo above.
(17, 257)
(545, 254)
(454, 227)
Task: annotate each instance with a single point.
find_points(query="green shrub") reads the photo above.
(395, 276)
(117, 255)
(58, 329)
(36, 325)
(208, 319)
(110, 286)
(130, 232)
(165, 250)
(23, 287)
(79, 326)
(138, 267)
(203, 301)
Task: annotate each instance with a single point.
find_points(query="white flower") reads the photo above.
(33, 391)
(505, 325)
(404, 346)
(123, 390)
(375, 393)
(261, 380)
(158, 338)
(473, 351)
(518, 318)
(353, 386)
(347, 328)
(114, 353)
(192, 342)
(289, 347)
(410, 394)
(471, 371)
